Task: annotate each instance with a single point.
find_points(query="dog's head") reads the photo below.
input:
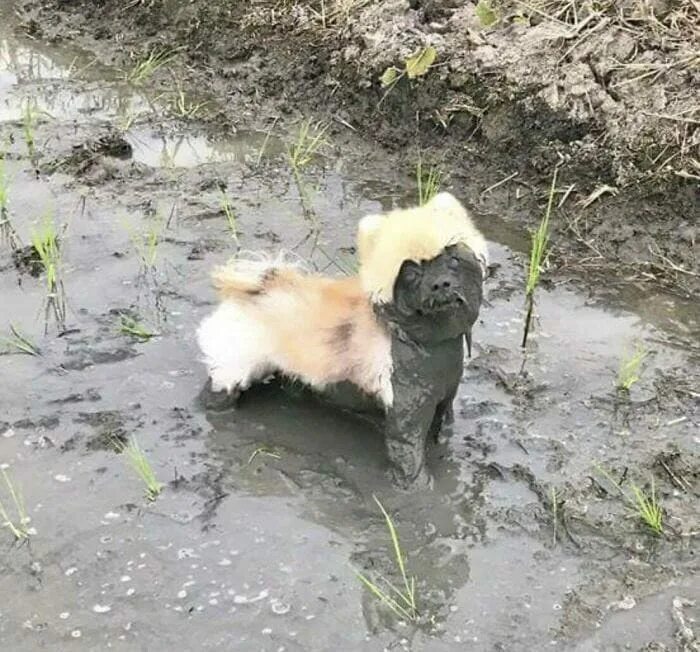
(423, 269)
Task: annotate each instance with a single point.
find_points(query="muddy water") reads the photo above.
(252, 551)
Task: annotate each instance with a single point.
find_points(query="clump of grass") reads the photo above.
(230, 214)
(428, 182)
(401, 601)
(45, 243)
(20, 343)
(630, 368)
(145, 68)
(644, 506)
(538, 251)
(17, 524)
(129, 326)
(139, 463)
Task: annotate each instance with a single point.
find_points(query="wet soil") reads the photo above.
(268, 510)
(604, 90)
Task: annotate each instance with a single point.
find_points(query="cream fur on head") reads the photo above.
(385, 241)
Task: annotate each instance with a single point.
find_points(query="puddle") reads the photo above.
(189, 150)
(258, 551)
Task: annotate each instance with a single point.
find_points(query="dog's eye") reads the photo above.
(411, 274)
(454, 262)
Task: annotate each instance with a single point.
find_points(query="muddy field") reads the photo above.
(523, 543)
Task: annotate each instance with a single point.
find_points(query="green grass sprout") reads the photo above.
(401, 601)
(19, 343)
(139, 463)
(538, 251)
(428, 182)
(17, 525)
(630, 367)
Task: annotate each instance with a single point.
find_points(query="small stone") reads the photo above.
(101, 608)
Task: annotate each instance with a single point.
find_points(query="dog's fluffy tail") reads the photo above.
(250, 276)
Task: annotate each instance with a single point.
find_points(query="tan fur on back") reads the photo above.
(420, 233)
(321, 330)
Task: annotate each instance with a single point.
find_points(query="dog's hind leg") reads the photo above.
(235, 349)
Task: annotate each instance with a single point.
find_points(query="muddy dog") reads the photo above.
(396, 330)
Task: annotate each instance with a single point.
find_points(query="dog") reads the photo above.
(395, 331)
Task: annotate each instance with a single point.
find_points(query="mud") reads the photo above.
(252, 551)
(604, 91)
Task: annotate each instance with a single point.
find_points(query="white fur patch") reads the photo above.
(234, 348)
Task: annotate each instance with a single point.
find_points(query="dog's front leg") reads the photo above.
(408, 424)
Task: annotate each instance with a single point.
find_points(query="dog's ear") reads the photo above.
(367, 231)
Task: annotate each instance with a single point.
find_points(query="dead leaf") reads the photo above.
(417, 64)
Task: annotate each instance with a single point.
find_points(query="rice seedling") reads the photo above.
(45, 242)
(4, 187)
(19, 343)
(146, 242)
(553, 502)
(29, 120)
(263, 450)
(139, 463)
(307, 145)
(7, 230)
(129, 326)
(146, 68)
(648, 508)
(630, 367)
(301, 154)
(538, 251)
(644, 506)
(401, 601)
(183, 107)
(428, 183)
(17, 524)
(230, 214)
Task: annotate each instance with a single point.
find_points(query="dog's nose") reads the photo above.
(442, 285)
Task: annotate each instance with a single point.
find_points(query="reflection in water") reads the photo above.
(190, 150)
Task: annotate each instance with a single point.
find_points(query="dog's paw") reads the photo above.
(218, 401)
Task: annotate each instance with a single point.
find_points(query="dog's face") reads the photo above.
(437, 299)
